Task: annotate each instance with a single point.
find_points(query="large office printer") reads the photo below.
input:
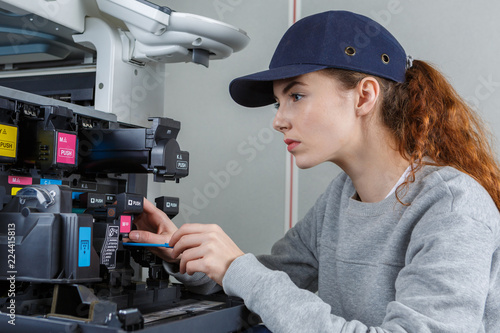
(75, 159)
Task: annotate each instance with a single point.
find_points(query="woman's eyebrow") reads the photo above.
(291, 85)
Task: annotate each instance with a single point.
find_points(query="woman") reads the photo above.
(406, 239)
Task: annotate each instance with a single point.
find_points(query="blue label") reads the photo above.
(46, 181)
(76, 195)
(84, 247)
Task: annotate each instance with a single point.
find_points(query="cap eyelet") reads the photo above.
(385, 58)
(350, 51)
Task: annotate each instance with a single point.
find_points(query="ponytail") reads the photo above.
(437, 123)
(433, 125)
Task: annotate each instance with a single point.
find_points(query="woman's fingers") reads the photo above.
(204, 248)
(148, 206)
(194, 228)
(154, 220)
(142, 236)
(196, 247)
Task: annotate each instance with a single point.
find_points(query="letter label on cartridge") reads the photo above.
(125, 224)
(84, 247)
(8, 141)
(15, 180)
(66, 148)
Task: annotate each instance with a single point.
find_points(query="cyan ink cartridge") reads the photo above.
(80, 261)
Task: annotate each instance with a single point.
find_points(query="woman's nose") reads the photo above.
(280, 123)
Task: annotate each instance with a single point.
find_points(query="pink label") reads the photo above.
(125, 224)
(66, 148)
(20, 180)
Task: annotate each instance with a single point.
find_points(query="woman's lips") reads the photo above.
(291, 144)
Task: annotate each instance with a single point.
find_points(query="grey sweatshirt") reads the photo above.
(432, 266)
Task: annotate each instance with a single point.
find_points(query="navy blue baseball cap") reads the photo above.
(333, 39)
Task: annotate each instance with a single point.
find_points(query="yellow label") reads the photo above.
(14, 190)
(8, 140)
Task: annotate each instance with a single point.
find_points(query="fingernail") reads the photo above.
(134, 235)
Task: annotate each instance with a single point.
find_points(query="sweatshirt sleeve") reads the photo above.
(295, 256)
(198, 283)
(271, 294)
(297, 252)
(442, 289)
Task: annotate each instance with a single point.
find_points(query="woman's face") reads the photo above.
(318, 119)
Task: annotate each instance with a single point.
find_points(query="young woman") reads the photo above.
(406, 239)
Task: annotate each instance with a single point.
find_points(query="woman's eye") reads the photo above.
(276, 105)
(296, 97)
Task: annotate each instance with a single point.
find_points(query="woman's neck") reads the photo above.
(374, 183)
(375, 170)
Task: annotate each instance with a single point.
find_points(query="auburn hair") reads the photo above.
(433, 125)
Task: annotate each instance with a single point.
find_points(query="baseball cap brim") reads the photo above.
(256, 89)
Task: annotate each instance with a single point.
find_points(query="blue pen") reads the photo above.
(147, 244)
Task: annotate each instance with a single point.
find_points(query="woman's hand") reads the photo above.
(154, 226)
(205, 248)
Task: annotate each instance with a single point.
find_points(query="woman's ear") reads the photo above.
(368, 91)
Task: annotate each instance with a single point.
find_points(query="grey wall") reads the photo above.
(461, 37)
(226, 139)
